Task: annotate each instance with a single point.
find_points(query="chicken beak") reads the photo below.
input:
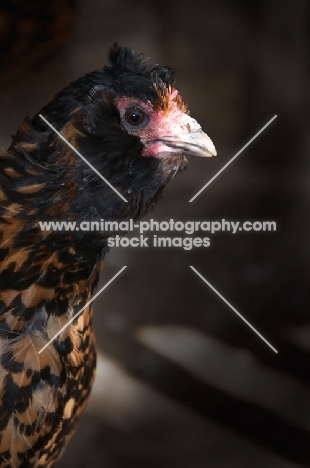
(195, 143)
(191, 140)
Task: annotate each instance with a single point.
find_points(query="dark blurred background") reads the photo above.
(181, 381)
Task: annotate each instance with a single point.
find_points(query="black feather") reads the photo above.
(123, 58)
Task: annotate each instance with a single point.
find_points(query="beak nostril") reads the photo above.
(186, 128)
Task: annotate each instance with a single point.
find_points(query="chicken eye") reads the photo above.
(135, 116)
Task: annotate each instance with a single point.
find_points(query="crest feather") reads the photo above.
(125, 59)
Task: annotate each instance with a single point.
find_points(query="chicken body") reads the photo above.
(131, 124)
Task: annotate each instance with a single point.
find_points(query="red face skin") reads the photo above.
(171, 123)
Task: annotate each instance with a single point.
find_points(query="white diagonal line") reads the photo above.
(235, 310)
(232, 159)
(83, 308)
(82, 157)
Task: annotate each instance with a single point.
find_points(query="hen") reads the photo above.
(129, 121)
